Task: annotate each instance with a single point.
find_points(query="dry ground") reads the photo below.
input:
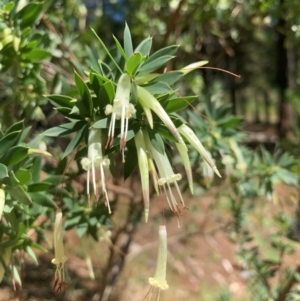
(201, 258)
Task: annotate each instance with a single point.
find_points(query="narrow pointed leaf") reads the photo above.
(144, 47)
(75, 141)
(84, 92)
(150, 66)
(120, 48)
(127, 42)
(133, 62)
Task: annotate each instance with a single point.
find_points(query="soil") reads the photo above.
(202, 262)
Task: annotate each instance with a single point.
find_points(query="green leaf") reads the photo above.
(65, 111)
(14, 155)
(133, 63)
(106, 95)
(19, 194)
(130, 162)
(29, 14)
(40, 186)
(31, 254)
(169, 78)
(229, 122)
(164, 131)
(43, 199)
(156, 140)
(37, 54)
(84, 92)
(106, 50)
(64, 129)
(16, 127)
(101, 124)
(127, 41)
(144, 47)
(8, 141)
(9, 6)
(72, 222)
(62, 166)
(134, 93)
(167, 51)
(150, 66)
(75, 141)
(36, 168)
(79, 111)
(3, 171)
(82, 229)
(93, 58)
(56, 180)
(23, 176)
(24, 134)
(144, 79)
(16, 275)
(62, 100)
(13, 180)
(130, 135)
(179, 103)
(158, 88)
(120, 48)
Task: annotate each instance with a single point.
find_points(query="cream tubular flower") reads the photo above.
(148, 101)
(2, 201)
(187, 165)
(241, 164)
(159, 279)
(121, 109)
(153, 174)
(166, 177)
(144, 170)
(196, 143)
(60, 257)
(6, 255)
(228, 162)
(96, 161)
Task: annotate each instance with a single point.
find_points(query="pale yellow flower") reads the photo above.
(6, 255)
(121, 109)
(166, 177)
(159, 279)
(60, 257)
(192, 138)
(2, 201)
(96, 161)
(144, 169)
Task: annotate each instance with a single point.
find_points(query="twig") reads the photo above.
(286, 289)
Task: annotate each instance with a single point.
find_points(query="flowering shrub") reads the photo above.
(139, 109)
(121, 105)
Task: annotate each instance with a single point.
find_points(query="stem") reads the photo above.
(288, 286)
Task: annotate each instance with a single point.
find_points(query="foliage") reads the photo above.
(117, 105)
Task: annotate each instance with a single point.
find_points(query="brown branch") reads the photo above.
(172, 22)
(287, 288)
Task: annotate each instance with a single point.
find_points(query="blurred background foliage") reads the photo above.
(250, 125)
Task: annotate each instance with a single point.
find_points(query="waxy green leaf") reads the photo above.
(127, 41)
(133, 63)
